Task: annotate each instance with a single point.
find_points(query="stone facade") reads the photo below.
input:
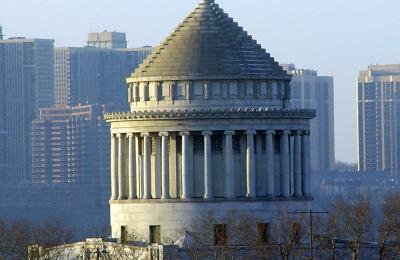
(208, 130)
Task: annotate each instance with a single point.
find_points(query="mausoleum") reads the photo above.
(208, 130)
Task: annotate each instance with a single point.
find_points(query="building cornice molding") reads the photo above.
(234, 113)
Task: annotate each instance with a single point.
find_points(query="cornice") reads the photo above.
(233, 113)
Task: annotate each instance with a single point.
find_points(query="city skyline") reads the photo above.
(335, 31)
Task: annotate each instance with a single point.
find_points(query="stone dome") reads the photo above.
(208, 44)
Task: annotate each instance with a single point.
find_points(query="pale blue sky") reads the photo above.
(337, 37)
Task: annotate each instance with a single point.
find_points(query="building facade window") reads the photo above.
(155, 234)
(264, 233)
(220, 234)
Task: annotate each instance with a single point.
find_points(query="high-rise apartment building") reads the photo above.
(68, 146)
(3, 131)
(309, 90)
(378, 114)
(137, 55)
(94, 76)
(26, 86)
(108, 40)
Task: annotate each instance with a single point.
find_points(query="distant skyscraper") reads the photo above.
(26, 86)
(137, 55)
(3, 131)
(312, 91)
(94, 75)
(108, 40)
(378, 117)
(1, 33)
(68, 146)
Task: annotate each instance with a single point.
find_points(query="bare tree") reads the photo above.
(288, 234)
(17, 237)
(389, 229)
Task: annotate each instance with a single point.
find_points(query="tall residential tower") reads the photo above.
(26, 86)
(68, 146)
(309, 90)
(378, 114)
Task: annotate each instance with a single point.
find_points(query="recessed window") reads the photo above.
(233, 89)
(198, 89)
(180, 90)
(263, 89)
(165, 91)
(215, 89)
(220, 234)
(155, 234)
(296, 233)
(249, 88)
(263, 233)
(124, 234)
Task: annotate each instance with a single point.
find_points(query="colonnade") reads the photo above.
(294, 160)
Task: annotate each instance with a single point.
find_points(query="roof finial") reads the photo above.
(207, 2)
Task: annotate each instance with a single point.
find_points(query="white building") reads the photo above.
(311, 91)
(207, 131)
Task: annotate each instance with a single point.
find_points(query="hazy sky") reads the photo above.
(338, 37)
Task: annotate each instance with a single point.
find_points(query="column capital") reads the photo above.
(207, 132)
(306, 132)
(145, 134)
(251, 132)
(229, 132)
(184, 133)
(119, 135)
(285, 132)
(270, 132)
(113, 135)
(297, 132)
(129, 135)
(165, 134)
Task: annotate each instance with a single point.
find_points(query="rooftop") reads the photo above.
(208, 44)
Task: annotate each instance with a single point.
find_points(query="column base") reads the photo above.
(147, 197)
(122, 198)
(298, 195)
(208, 197)
(230, 197)
(270, 196)
(113, 198)
(250, 196)
(132, 198)
(165, 197)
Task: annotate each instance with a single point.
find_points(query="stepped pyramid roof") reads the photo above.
(208, 44)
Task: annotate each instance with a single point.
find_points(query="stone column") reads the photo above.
(185, 165)
(139, 177)
(164, 166)
(132, 166)
(146, 166)
(230, 181)
(114, 168)
(285, 164)
(208, 194)
(270, 163)
(297, 164)
(305, 163)
(250, 165)
(122, 195)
